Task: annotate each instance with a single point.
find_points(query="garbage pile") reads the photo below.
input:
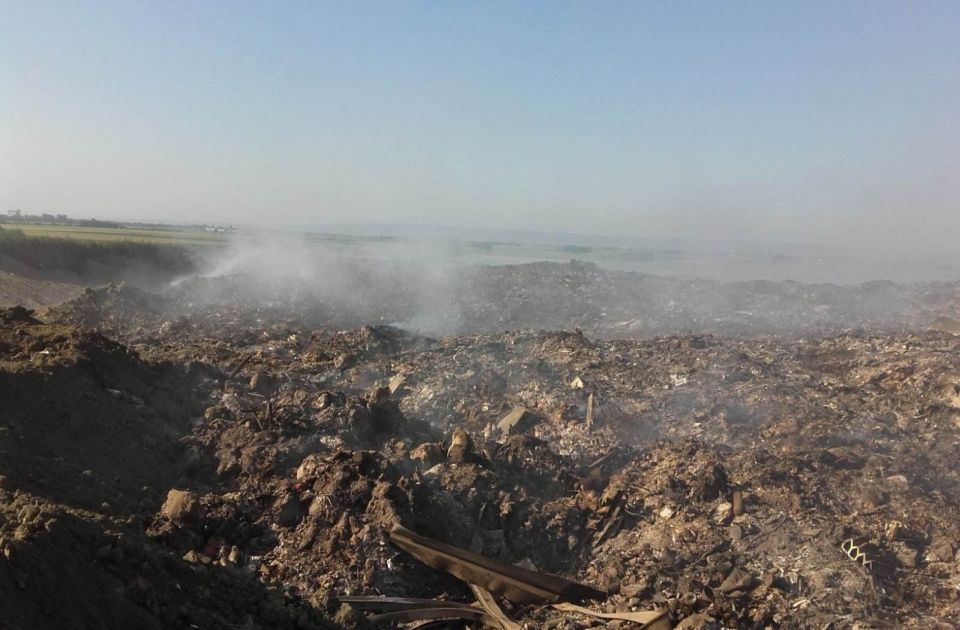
(491, 299)
(274, 474)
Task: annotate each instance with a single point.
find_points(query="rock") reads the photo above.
(514, 421)
(633, 590)
(898, 482)
(263, 383)
(738, 580)
(349, 617)
(289, 512)
(309, 468)
(330, 399)
(181, 506)
(699, 621)
(429, 453)
(461, 449)
(435, 471)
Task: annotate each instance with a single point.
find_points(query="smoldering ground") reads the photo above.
(436, 287)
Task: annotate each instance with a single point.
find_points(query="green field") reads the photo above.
(173, 236)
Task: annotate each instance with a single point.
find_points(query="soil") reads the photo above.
(204, 457)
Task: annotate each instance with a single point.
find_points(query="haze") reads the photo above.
(819, 122)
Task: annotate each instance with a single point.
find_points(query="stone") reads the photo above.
(429, 453)
(513, 422)
(699, 621)
(289, 512)
(262, 383)
(309, 468)
(738, 580)
(181, 506)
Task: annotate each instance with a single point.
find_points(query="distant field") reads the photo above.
(179, 237)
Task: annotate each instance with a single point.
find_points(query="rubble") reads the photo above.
(514, 421)
(516, 583)
(246, 467)
(181, 505)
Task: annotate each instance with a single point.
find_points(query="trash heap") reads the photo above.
(272, 475)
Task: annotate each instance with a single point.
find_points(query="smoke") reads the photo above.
(408, 283)
(440, 287)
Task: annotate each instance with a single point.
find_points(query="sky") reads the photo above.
(828, 122)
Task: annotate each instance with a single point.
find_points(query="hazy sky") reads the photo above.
(836, 122)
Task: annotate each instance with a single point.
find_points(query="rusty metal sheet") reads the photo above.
(515, 583)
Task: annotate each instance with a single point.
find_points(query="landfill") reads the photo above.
(571, 448)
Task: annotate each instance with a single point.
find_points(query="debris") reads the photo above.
(576, 383)
(309, 468)
(736, 532)
(722, 512)
(698, 621)
(651, 619)
(771, 448)
(613, 521)
(519, 585)
(489, 604)
(246, 359)
(396, 382)
(181, 505)
(940, 550)
(424, 614)
(589, 420)
(738, 580)
(461, 449)
(512, 422)
(737, 502)
(379, 602)
(860, 550)
(429, 453)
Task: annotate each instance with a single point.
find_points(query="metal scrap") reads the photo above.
(519, 585)
(488, 603)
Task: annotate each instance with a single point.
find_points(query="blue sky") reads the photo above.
(807, 121)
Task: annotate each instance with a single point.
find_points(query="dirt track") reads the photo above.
(718, 481)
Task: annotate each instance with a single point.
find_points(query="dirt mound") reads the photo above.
(114, 308)
(90, 439)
